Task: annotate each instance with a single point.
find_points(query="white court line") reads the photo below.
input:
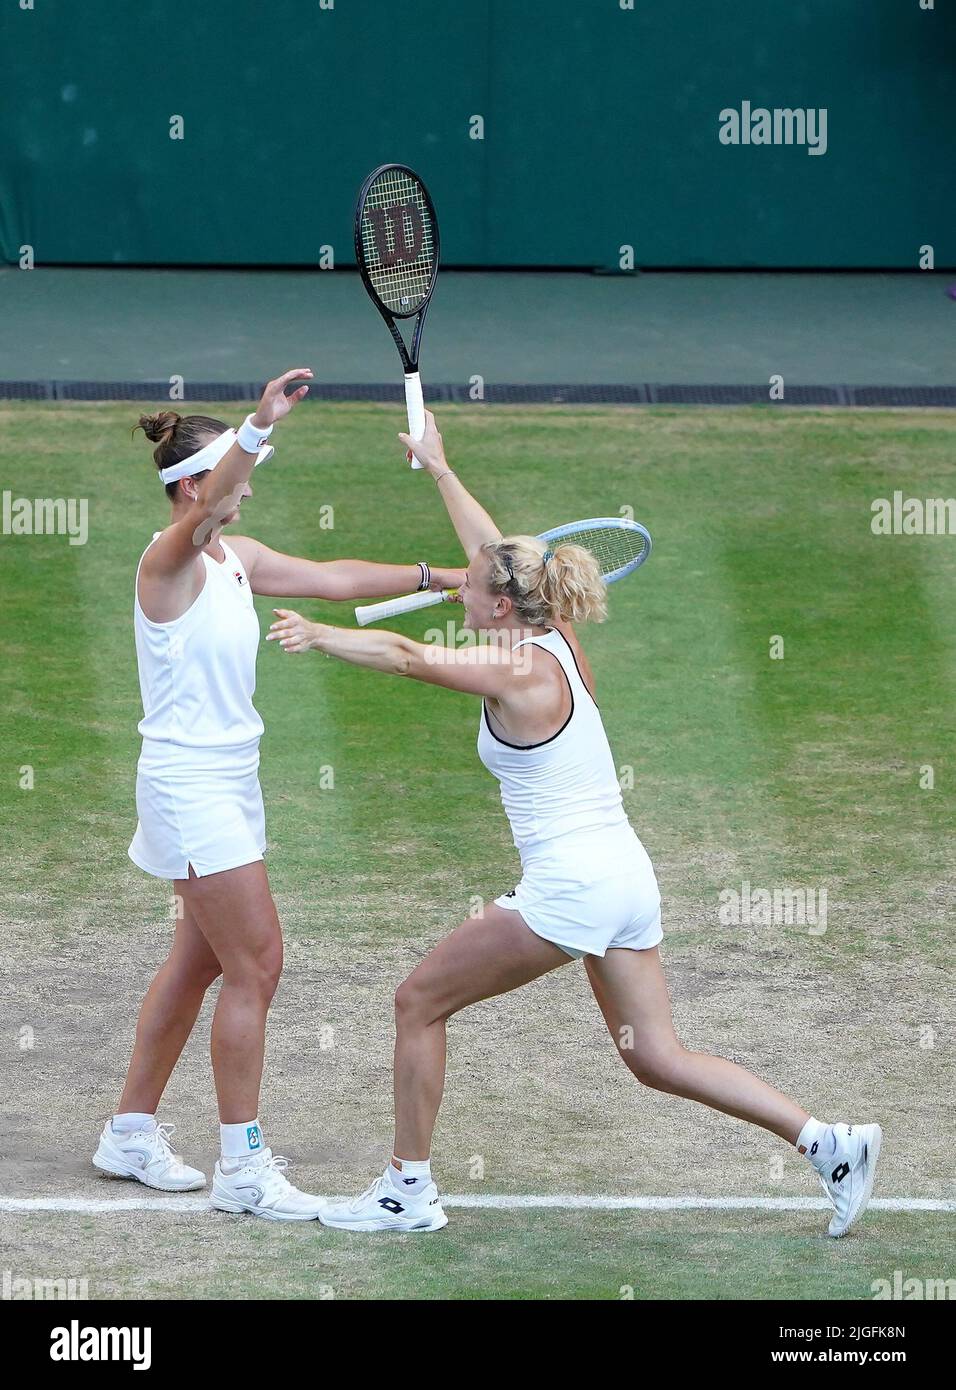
(172, 1203)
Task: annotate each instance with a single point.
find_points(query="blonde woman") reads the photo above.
(201, 821)
(587, 891)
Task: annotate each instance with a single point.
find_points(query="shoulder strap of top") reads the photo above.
(555, 642)
(557, 645)
(566, 655)
(139, 566)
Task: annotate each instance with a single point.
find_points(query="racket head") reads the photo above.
(396, 240)
(620, 546)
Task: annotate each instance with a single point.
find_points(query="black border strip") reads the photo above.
(642, 393)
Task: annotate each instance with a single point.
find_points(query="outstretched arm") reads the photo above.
(270, 572)
(469, 518)
(486, 670)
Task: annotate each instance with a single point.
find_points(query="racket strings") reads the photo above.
(403, 284)
(613, 549)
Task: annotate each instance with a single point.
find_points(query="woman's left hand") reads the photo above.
(293, 632)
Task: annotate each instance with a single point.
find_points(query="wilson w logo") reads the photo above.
(398, 232)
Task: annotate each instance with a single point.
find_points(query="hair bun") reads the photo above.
(159, 428)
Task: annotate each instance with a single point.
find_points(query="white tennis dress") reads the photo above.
(197, 781)
(587, 881)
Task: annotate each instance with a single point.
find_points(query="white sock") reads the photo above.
(410, 1175)
(133, 1122)
(816, 1142)
(240, 1141)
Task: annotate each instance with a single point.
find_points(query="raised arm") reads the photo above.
(176, 549)
(469, 518)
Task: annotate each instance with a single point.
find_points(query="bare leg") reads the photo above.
(480, 958)
(630, 990)
(167, 1016)
(235, 913)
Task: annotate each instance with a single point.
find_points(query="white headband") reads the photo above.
(208, 457)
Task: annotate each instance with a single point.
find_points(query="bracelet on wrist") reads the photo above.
(426, 576)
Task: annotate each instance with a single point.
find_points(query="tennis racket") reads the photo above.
(620, 546)
(396, 248)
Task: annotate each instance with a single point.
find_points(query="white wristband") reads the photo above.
(250, 437)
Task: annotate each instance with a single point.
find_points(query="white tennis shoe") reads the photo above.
(382, 1207)
(261, 1187)
(146, 1156)
(847, 1174)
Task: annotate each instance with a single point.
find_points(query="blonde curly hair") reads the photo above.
(544, 585)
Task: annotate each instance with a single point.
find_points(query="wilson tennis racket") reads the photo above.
(396, 248)
(620, 546)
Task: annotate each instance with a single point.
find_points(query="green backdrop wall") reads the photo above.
(600, 129)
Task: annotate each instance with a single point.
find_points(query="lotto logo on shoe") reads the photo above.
(390, 1204)
(253, 1137)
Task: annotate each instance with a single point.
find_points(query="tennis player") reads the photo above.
(201, 820)
(587, 891)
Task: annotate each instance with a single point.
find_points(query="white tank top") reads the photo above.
(197, 674)
(566, 786)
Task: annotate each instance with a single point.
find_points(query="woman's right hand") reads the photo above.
(293, 632)
(275, 403)
(429, 450)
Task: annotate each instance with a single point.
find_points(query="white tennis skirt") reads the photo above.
(589, 898)
(210, 817)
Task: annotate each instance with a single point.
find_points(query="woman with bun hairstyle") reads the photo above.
(201, 820)
(587, 889)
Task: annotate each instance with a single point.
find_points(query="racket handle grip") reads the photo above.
(391, 607)
(415, 405)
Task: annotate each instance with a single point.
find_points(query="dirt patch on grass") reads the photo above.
(536, 1098)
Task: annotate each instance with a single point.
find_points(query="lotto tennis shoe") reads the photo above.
(146, 1156)
(259, 1185)
(847, 1174)
(382, 1207)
